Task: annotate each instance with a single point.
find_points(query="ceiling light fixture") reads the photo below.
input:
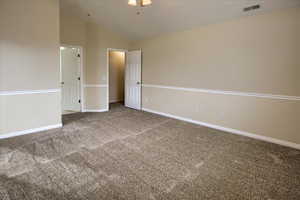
(132, 3)
(146, 3)
(143, 3)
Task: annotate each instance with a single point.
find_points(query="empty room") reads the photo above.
(149, 99)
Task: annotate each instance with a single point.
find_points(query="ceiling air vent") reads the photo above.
(251, 8)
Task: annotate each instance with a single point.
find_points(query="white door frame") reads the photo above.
(107, 61)
(80, 75)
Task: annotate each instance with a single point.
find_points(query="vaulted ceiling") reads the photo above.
(164, 16)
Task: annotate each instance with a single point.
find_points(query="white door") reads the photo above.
(133, 80)
(70, 78)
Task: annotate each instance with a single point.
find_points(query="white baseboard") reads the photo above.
(29, 131)
(90, 110)
(230, 130)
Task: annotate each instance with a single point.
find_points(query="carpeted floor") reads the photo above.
(128, 154)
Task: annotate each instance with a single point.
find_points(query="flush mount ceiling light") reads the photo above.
(132, 3)
(142, 3)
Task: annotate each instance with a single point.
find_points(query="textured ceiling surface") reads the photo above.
(164, 16)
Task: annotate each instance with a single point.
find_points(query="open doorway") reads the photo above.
(125, 78)
(70, 79)
(116, 65)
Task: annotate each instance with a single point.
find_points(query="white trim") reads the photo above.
(21, 92)
(229, 130)
(90, 110)
(95, 85)
(29, 131)
(107, 69)
(248, 94)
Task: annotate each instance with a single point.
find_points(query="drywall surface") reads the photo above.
(29, 61)
(116, 76)
(257, 54)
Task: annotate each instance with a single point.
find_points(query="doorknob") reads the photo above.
(62, 83)
(138, 83)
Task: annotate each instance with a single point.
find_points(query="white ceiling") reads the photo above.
(164, 15)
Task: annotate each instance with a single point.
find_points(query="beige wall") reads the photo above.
(116, 76)
(29, 44)
(95, 41)
(273, 118)
(98, 41)
(29, 60)
(29, 111)
(254, 54)
(73, 33)
(72, 30)
(96, 98)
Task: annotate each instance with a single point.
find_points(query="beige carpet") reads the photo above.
(128, 154)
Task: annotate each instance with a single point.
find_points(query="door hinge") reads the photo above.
(79, 101)
(79, 78)
(78, 55)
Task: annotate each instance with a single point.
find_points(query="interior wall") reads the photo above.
(73, 33)
(98, 41)
(95, 41)
(72, 30)
(29, 62)
(257, 54)
(116, 76)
